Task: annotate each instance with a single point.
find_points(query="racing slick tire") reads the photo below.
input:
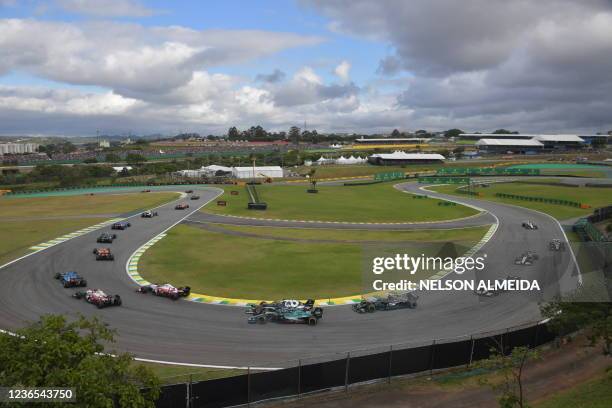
(83, 283)
(57, 275)
(99, 305)
(117, 300)
(317, 312)
(312, 321)
(370, 308)
(66, 284)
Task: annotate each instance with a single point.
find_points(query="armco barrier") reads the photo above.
(343, 370)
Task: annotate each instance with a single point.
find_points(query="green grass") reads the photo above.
(175, 374)
(333, 171)
(595, 393)
(372, 203)
(218, 264)
(432, 235)
(594, 196)
(21, 229)
(16, 237)
(81, 204)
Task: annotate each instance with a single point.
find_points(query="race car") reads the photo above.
(145, 191)
(103, 254)
(195, 197)
(391, 301)
(556, 245)
(285, 311)
(292, 315)
(529, 225)
(189, 191)
(71, 279)
(181, 206)
(99, 298)
(121, 225)
(106, 238)
(166, 290)
(526, 258)
(149, 214)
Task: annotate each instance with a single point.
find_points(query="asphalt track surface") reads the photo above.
(188, 332)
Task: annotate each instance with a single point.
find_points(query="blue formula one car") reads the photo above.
(71, 279)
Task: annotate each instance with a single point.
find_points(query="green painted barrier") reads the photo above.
(539, 199)
(488, 171)
(392, 175)
(444, 180)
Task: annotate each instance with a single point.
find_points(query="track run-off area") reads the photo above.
(201, 333)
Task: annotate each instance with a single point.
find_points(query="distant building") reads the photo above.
(257, 172)
(18, 148)
(104, 143)
(399, 158)
(521, 146)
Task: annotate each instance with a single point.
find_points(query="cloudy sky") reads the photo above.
(71, 67)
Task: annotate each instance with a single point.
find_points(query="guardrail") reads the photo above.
(545, 200)
(340, 371)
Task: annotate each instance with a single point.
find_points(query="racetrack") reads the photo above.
(188, 332)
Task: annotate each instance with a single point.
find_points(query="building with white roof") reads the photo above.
(400, 157)
(509, 145)
(257, 172)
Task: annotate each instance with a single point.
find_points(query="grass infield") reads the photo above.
(371, 203)
(30, 221)
(218, 264)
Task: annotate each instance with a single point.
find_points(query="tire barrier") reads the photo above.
(542, 200)
(348, 369)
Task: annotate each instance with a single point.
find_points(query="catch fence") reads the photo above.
(340, 371)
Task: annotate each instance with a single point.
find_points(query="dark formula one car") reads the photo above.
(149, 214)
(526, 258)
(98, 298)
(391, 301)
(285, 311)
(556, 245)
(189, 191)
(106, 238)
(195, 197)
(71, 279)
(166, 290)
(182, 206)
(529, 225)
(121, 225)
(103, 254)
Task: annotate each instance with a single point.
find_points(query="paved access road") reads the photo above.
(188, 332)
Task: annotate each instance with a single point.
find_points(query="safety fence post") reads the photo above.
(248, 386)
(346, 372)
(299, 378)
(431, 361)
(390, 362)
(189, 397)
(471, 351)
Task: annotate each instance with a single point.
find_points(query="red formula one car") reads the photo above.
(103, 254)
(166, 290)
(182, 206)
(98, 298)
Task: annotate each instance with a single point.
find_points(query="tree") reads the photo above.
(504, 132)
(294, 134)
(578, 311)
(112, 158)
(55, 353)
(420, 132)
(396, 133)
(453, 133)
(510, 366)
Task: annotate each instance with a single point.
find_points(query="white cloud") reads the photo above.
(342, 71)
